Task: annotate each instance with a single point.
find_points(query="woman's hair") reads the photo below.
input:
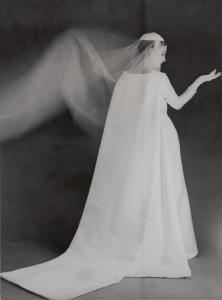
(143, 44)
(137, 65)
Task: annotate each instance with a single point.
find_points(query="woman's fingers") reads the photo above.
(211, 76)
(218, 75)
(214, 74)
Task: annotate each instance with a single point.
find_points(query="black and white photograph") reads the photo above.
(111, 149)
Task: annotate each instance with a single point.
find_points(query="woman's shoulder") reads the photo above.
(163, 78)
(155, 75)
(159, 74)
(144, 78)
(162, 74)
(142, 75)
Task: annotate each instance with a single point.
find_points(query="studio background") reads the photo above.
(46, 174)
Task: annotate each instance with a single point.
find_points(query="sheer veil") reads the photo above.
(80, 69)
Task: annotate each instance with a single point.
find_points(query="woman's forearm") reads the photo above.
(190, 91)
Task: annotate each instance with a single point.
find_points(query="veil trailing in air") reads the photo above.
(79, 69)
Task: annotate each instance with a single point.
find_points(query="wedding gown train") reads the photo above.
(137, 220)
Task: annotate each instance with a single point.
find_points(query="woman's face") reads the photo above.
(158, 55)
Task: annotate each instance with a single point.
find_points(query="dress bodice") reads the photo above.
(167, 94)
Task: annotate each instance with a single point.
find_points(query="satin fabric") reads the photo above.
(137, 219)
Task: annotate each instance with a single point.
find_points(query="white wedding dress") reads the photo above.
(137, 220)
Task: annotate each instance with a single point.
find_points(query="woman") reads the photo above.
(137, 220)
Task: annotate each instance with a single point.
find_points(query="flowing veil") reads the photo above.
(79, 69)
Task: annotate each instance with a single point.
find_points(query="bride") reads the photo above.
(137, 220)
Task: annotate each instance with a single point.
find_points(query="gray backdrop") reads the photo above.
(46, 174)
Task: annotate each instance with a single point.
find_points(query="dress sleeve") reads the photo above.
(169, 93)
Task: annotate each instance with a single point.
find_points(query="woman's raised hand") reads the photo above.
(211, 76)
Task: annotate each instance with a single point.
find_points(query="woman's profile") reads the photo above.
(137, 220)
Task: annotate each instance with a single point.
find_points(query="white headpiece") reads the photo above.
(151, 36)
